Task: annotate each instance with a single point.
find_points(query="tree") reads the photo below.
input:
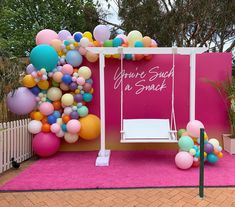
(21, 20)
(186, 23)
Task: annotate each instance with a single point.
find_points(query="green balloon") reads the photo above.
(180, 132)
(82, 111)
(108, 43)
(185, 143)
(44, 56)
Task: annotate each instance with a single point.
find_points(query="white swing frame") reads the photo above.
(104, 154)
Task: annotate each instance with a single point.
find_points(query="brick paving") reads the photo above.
(152, 197)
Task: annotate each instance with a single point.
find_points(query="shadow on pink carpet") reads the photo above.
(128, 169)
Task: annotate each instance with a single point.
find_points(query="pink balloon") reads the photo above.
(55, 128)
(193, 128)
(82, 50)
(81, 81)
(45, 144)
(183, 160)
(73, 126)
(101, 33)
(46, 36)
(67, 69)
(46, 108)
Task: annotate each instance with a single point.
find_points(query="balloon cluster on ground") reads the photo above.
(189, 145)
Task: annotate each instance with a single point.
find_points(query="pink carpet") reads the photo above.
(128, 169)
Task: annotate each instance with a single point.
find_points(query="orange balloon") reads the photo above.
(139, 57)
(44, 120)
(46, 127)
(32, 114)
(56, 44)
(216, 152)
(57, 77)
(43, 84)
(90, 127)
(148, 57)
(147, 41)
(96, 44)
(66, 118)
(38, 115)
(28, 81)
(57, 105)
(91, 57)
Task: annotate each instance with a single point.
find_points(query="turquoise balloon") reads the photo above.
(139, 44)
(128, 56)
(185, 143)
(117, 42)
(44, 56)
(82, 111)
(87, 97)
(212, 158)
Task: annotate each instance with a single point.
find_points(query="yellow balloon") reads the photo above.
(88, 35)
(38, 116)
(220, 155)
(43, 84)
(87, 123)
(67, 99)
(28, 81)
(56, 44)
(84, 72)
(134, 36)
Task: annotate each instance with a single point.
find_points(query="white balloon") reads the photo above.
(214, 142)
(84, 42)
(34, 126)
(60, 133)
(68, 110)
(70, 138)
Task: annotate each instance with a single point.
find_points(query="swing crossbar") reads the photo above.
(147, 130)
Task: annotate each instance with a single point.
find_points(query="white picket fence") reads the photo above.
(15, 141)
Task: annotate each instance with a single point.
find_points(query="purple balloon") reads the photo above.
(74, 115)
(21, 102)
(209, 148)
(63, 34)
(30, 68)
(78, 98)
(73, 86)
(101, 33)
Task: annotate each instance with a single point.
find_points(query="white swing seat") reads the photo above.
(147, 131)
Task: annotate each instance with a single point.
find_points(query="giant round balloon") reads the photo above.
(45, 36)
(44, 56)
(101, 33)
(21, 102)
(90, 127)
(46, 144)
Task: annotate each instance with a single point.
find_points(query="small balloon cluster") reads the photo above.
(189, 145)
(69, 46)
(56, 90)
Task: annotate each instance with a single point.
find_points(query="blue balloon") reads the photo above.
(35, 90)
(73, 58)
(117, 42)
(51, 119)
(87, 97)
(90, 81)
(139, 44)
(67, 79)
(212, 158)
(56, 114)
(44, 56)
(77, 37)
(64, 127)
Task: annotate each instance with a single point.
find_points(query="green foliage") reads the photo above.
(21, 20)
(181, 22)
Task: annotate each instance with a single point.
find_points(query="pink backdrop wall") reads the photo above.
(147, 94)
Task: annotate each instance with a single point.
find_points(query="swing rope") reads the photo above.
(173, 121)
